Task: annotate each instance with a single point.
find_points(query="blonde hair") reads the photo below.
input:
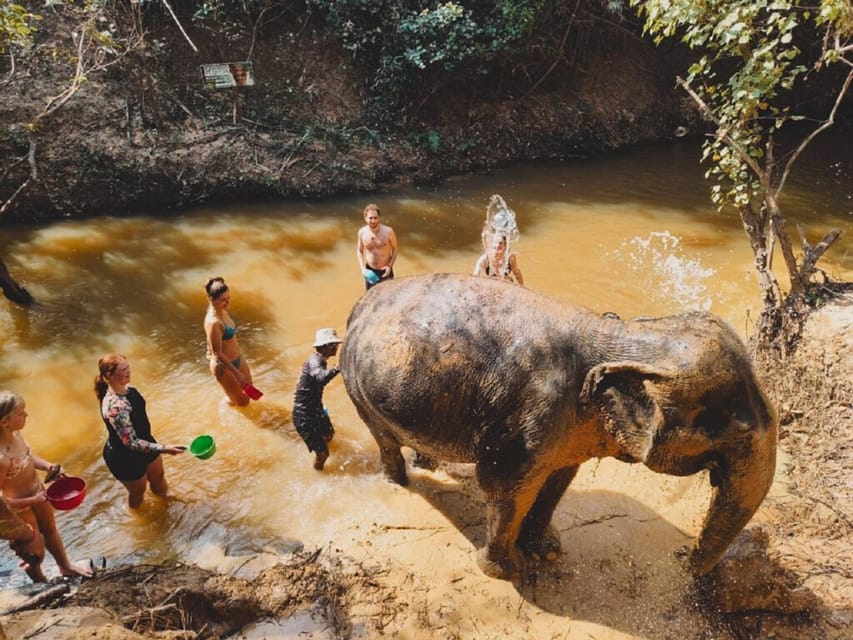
(9, 401)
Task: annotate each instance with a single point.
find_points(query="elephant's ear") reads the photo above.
(621, 394)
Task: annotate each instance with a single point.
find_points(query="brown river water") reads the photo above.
(632, 233)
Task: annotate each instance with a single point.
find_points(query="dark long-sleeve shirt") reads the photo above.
(309, 389)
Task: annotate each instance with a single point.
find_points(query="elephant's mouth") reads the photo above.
(681, 465)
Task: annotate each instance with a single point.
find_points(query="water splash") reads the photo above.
(671, 278)
(500, 219)
(500, 231)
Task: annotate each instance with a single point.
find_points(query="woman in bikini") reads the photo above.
(223, 351)
(131, 452)
(23, 489)
(495, 263)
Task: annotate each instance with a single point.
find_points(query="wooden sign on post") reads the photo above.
(225, 75)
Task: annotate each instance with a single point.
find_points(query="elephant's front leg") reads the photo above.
(499, 558)
(533, 539)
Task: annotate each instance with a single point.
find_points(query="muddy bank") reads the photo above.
(143, 134)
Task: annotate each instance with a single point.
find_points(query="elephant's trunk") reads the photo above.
(741, 481)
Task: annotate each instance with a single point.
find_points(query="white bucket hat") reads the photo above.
(326, 336)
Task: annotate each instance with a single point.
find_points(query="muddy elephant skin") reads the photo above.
(475, 370)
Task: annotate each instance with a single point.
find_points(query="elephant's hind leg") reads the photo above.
(533, 538)
(393, 463)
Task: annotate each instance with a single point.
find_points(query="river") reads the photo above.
(633, 233)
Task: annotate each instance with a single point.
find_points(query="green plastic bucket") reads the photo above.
(203, 447)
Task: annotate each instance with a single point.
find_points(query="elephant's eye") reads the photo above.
(712, 422)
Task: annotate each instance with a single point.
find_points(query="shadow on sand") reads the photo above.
(619, 567)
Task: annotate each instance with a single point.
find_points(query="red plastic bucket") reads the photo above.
(252, 392)
(66, 492)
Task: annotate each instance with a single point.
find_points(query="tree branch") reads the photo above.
(811, 254)
(11, 69)
(826, 124)
(11, 199)
(722, 132)
(178, 22)
(559, 51)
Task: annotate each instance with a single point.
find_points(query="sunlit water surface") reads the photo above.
(632, 233)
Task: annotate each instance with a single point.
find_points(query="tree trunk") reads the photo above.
(770, 322)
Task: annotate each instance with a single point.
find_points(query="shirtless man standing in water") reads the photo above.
(377, 248)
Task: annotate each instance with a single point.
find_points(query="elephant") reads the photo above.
(467, 369)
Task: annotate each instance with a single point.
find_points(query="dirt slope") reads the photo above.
(144, 133)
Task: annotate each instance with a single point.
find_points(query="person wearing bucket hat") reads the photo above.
(24, 492)
(131, 453)
(309, 417)
(376, 249)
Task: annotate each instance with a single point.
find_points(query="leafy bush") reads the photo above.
(401, 43)
(16, 25)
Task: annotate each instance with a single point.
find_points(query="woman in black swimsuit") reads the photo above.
(131, 452)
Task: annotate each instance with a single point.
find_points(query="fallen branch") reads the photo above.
(41, 599)
(134, 618)
(180, 104)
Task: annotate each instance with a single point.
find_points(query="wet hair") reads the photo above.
(371, 207)
(9, 400)
(106, 367)
(215, 287)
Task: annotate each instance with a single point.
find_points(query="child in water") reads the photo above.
(310, 419)
(24, 491)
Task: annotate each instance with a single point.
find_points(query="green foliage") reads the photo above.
(238, 18)
(16, 25)
(444, 36)
(749, 59)
(361, 25)
(401, 43)
(224, 12)
(430, 140)
(449, 36)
